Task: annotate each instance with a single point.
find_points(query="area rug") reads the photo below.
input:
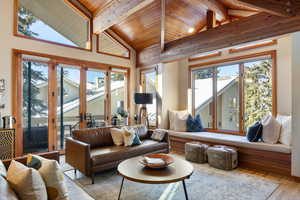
(206, 183)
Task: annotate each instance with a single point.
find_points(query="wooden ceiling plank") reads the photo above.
(253, 28)
(240, 13)
(284, 8)
(162, 25)
(117, 11)
(217, 7)
(210, 19)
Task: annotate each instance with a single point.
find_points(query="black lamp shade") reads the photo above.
(143, 98)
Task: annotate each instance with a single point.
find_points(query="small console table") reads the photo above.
(7, 144)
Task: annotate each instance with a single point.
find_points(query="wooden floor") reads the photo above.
(289, 189)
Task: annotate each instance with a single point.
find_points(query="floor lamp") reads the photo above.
(143, 99)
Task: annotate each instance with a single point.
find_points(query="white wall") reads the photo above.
(295, 62)
(8, 42)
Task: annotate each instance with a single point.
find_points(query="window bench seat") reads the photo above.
(274, 158)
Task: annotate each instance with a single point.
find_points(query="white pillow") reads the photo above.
(286, 129)
(52, 176)
(3, 171)
(180, 122)
(117, 136)
(26, 182)
(172, 115)
(271, 130)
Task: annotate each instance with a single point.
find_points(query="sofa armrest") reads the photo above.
(77, 155)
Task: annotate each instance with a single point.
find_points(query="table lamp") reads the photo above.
(143, 99)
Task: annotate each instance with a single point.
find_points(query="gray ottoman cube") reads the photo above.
(222, 157)
(196, 152)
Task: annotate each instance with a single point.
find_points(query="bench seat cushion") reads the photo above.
(234, 140)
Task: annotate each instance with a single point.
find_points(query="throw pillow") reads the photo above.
(117, 136)
(180, 122)
(3, 171)
(6, 192)
(131, 138)
(286, 129)
(271, 130)
(194, 124)
(140, 130)
(52, 176)
(26, 182)
(172, 116)
(255, 132)
(158, 135)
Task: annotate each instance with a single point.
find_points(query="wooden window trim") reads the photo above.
(17, 89)
(265, 44)
(212, 55)
(272, 54)
(81, 13)
(117, 41)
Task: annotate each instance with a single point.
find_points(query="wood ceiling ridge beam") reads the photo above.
(241, 13)
(117, 11)
(284, 8)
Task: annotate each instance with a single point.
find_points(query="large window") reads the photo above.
(149, 85)
(53, 21)
(232, 97)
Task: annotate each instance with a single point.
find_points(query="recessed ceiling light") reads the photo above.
(191, 30)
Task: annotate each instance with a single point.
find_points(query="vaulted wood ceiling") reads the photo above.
(142, 29)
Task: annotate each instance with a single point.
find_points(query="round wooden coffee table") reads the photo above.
(133, 170)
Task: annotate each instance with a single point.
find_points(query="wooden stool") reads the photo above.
(196, 152)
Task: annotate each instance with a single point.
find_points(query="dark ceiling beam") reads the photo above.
(115, 12)
(217, 7)
(256, 27)
(283, 8)
(211, 21)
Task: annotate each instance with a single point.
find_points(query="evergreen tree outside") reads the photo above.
(258, 91)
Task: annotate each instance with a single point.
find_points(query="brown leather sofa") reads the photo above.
(92, 150)
(74, 191)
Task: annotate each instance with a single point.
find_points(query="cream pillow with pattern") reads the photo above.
(26, 182)
(52, 175)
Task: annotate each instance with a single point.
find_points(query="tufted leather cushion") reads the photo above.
(96, 137)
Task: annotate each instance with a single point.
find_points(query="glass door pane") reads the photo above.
(35, 107)
(203, 95)
(228, 97)
(118, 96)
(68, 102)
(95, 98)
(150, 87)
(257, 91)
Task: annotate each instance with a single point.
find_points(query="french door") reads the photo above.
(51, 98)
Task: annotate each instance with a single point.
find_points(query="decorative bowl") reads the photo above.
(166, 158)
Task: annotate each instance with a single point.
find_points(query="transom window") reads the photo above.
(232, 97)
(53, 21)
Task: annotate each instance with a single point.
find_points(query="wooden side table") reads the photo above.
(7, 144)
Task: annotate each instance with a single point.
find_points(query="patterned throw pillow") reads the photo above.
(26, 182)
(52, 175)
(255, 132)
(140, 130)
(194, 124)
(158, 135)
(131, 138)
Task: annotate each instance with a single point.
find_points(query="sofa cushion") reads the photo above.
(286, 129)
(96, 137)
(255, 132)
(103, 155)
(234, 140)
(271, 130)
(140, 130)
(117, 136)
(172, 116)
(6, 193)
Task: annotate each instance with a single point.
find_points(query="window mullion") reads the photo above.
(215, 96)
(241, 97)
